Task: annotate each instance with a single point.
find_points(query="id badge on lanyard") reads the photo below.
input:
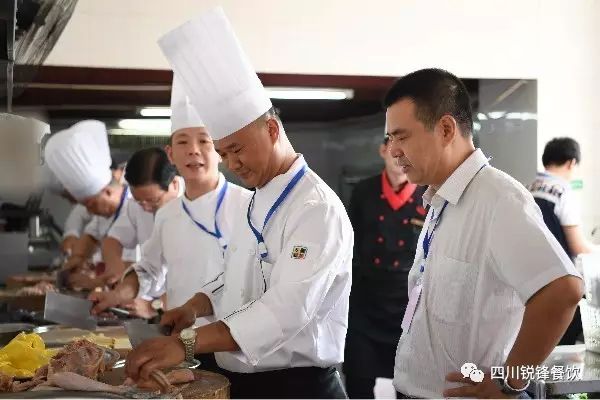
(415, 293)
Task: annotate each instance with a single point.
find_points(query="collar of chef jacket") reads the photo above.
(453, 188)
(267, 195)
(203, 207)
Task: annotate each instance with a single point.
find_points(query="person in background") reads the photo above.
(153, 182)
(80, 159)
(552, 192)
(75, 224)
(387, 215)
(489, 284)
(185, 252)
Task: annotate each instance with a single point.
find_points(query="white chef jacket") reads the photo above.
(293, 310)
(75, 223)
(98, 228)
(490, 253)
(134, 224)
(194, 258)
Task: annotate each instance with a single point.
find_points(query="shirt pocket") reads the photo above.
(453, 290)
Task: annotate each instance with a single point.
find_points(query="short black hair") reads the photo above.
(561, 150)
(149, 166)
(435, 92)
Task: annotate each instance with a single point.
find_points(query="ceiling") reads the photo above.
(66, 93)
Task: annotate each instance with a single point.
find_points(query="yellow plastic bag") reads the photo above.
(24, 355)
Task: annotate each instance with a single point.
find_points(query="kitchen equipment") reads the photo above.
(139, 330)
(70, 311)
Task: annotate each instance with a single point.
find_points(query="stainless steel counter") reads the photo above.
(584, 377)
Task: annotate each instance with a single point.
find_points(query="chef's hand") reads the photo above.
(67, 244)
(487, 389)
(113, 272)
(153, 354)
(74, 262)
(179, 318)
(104, 300)
(140, 308)
(81, 280)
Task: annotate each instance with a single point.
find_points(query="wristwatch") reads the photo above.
(507, 389)
(188, 337)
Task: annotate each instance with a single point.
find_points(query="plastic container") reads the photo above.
(590, 319)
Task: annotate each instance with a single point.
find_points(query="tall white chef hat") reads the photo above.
(207, 57)
(80, 158)
(183, 114)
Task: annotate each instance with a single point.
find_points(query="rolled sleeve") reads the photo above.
(569, 212)
(124, 229)
(76, 222)
(301, 278)
(526, 255)
(151, 271)
(94, 228)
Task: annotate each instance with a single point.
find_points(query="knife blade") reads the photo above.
(139, 330)
(70, 311)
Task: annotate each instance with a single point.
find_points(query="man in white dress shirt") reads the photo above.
(153, 183)
(490, 285)
(282, 315)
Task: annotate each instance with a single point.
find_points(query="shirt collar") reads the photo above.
(201, 205)
(276, 185)
(266, 195)
(453, 188)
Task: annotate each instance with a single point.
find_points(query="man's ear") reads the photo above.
(383, 149)
(273, 128)
(572, 163)
(169, 151)
(448, 127)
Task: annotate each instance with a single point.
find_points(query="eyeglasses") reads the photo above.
(151, 202)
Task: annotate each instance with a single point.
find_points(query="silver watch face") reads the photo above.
(188, 334)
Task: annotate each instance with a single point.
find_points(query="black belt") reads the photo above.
(289, 383)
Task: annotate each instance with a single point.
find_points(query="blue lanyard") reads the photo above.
(217, 233)
(428, 237)
(121, 202)
(262, 248)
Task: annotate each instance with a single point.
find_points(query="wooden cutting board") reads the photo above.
(208, 385)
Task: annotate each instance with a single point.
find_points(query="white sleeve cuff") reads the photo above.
(256, 330)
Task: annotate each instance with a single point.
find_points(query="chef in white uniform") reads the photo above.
(80, 159)
(282, 316)
(75, 223)
(153, 183)
(190, 234)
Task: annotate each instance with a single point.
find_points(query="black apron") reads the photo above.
(290, 383)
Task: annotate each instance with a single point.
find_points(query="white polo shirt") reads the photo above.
(490, 253)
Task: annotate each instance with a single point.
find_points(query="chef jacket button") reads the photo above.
(405, 222)
(400, 243)
(381, 218)
(396, 264)
(232, 248)
(251, 252)
(377, 261)
(380, 239)
(411, 200)
(382, 197)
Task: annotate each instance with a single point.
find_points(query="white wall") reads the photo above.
(554, 41)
